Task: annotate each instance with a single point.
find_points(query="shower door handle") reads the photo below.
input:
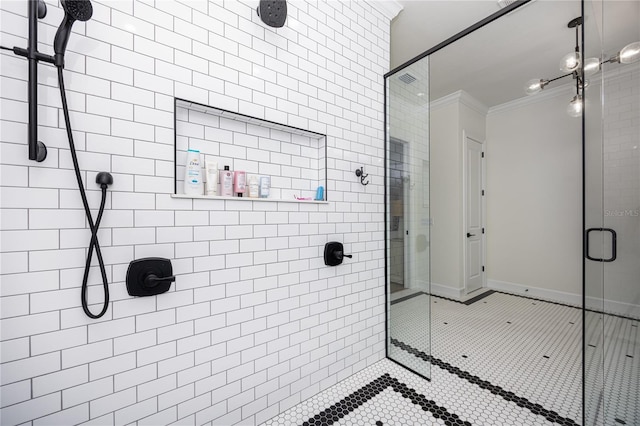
(614, 245)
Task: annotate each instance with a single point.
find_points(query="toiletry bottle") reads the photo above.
(193, 173)
(253, 186)
(265, 186)
(320, 194)
(226, 182)
(239, 182)
(211, 168)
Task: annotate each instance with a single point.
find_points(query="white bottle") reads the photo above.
(253, 186)
(193, 173)
(211, 168)
(265, 186)
(226, 182)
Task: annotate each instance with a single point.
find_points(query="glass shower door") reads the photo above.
(407, 191)
(612, 222)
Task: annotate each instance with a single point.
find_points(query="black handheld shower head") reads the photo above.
(74, 10)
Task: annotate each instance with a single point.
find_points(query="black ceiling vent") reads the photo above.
(407, 78)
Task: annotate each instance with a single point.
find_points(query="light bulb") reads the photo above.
(570, 62)
(583, 86)
(534, 86)
(591, 66)
(630, 53)
(574, 109)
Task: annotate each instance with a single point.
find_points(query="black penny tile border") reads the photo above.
(538, 409)
(466, 302)
(350, 403)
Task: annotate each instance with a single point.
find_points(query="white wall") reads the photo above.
(255, 322)
(446, 178)
(451, 118)
(534, 195)
(621, 164)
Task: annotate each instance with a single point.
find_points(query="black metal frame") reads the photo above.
(465, 32)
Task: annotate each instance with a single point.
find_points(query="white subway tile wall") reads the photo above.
(255, 322)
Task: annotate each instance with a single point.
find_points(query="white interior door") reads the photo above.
(473, 221)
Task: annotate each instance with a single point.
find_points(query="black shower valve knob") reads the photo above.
(149, 276)
(334, 253)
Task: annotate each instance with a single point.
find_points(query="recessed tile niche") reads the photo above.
(295, 159)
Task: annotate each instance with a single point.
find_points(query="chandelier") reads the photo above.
(573, 65)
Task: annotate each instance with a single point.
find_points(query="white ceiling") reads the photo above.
(493, 63)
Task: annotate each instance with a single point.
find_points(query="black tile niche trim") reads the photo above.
(538, 409)
(350, 403)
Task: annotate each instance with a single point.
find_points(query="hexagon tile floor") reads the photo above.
(484, 374)
(386, 394)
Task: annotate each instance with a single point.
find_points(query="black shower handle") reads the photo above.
(153, 280)
(470, 235)
(614, 245)
(341, 255)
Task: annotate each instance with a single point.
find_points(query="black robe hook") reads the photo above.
(362, 176)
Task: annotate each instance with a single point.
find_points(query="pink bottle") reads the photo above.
(239, 182)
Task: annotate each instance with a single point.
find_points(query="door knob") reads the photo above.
(470, 235)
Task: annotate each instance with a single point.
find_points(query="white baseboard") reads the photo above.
(610, 306)
(446, 291)
(540, 293)
(614, 307)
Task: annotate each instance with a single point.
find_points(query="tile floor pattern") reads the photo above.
(477, 349)
(529, 347)
(440, 397)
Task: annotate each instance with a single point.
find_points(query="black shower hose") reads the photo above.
(94, 227)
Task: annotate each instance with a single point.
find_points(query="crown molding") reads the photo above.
(564, 90)
(389, 8)
(463, 98)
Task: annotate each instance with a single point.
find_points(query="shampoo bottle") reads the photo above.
(193, 173)
(211, 168)
(253, 186)
(239, 182)
(226, 182)
(265, 186)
